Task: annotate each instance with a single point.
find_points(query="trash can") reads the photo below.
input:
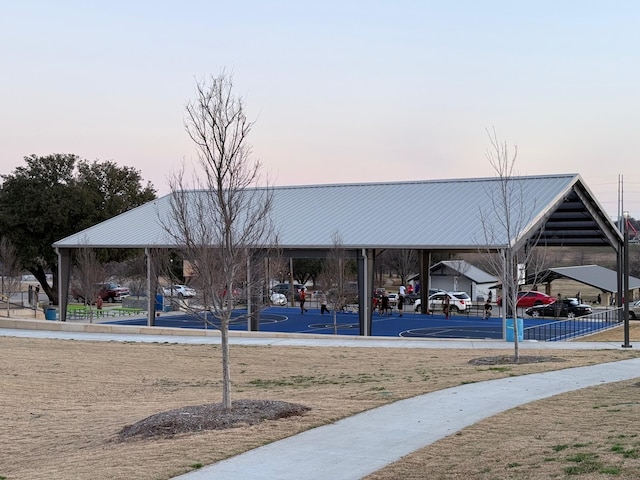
(159, 303)
(510, 330)
(51, 313)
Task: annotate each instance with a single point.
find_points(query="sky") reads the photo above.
(340, 91)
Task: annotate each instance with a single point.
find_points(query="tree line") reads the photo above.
(51, 197)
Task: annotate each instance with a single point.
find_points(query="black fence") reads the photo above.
(558, 330)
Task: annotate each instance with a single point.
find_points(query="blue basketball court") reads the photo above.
(290, 320)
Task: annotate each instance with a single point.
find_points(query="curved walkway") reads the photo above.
(364, 443)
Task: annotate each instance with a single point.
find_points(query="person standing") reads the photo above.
(323, 304)
(303, 297)
(487, 310)
(400, 304)
(384, 304)
(446, 303)
(402, 291)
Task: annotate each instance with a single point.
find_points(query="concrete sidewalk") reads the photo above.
(357, 446)
(117, 333)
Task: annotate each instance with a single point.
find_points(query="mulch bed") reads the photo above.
(212, 416)
(510, 359)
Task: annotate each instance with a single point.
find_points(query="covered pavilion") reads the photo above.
(428, 216)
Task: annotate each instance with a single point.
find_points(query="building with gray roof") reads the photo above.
(440, 215)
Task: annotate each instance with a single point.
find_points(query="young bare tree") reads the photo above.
(501, 224)
(226, 218)
(89, 276)
(10, 271)
(334, 280)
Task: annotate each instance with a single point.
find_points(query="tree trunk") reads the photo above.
(41, 277)
(226, 371)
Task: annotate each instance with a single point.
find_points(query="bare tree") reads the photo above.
(221, 223)
(89, 276)
(334, 279)
(10, 271)
(501, 225)
(404, 262)
(460, 268)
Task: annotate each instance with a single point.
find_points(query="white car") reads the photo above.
(180, 291)
(393, 299)
(459, 301)
(278, 299)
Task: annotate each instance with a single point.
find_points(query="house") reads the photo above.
(459, 275)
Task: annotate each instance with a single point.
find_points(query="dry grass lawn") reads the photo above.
(63, 403)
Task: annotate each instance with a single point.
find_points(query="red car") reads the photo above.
(109, 292)
(531, 298)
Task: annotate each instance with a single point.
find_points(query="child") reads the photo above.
(487, 310)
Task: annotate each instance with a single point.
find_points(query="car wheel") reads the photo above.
(571, 315)
(632, 315)
(111, 299)
(180, 295)
(454, 309)
(535, 314)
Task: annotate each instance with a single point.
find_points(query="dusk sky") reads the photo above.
(341, 91)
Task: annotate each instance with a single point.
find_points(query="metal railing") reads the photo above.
(559, 330)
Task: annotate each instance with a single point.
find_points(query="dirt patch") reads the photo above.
(212, 416)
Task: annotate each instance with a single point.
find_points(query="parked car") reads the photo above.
(108, 292)
(278, 299)
(634, 310)
(393, 299)
(379, 292)
(530, 298)
(567, 307)
(458, 302)
(181, 291)
(285, 289)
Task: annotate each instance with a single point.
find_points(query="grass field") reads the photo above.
(63, 403)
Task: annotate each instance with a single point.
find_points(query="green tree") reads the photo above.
(305, 269)
(54, 196)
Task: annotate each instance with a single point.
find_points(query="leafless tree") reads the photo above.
(460, 268)
(334, 278)
(502, 223)
(10, 269)
(221, 222)
(404, 262)
(89, 276)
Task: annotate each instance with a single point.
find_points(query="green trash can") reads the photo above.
(510, 330)
(51, 313)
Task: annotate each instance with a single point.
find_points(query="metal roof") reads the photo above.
(592, 275)
(430, 214)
